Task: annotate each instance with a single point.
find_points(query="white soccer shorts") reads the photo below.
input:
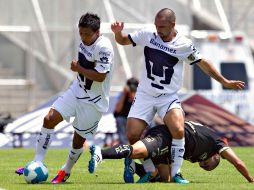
(86, 115)
(145, 106)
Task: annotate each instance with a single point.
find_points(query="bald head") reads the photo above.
(165, 24)
(166, 14)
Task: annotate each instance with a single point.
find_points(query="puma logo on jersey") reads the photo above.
(104, 60)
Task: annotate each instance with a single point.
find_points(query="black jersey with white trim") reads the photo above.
(201, 142)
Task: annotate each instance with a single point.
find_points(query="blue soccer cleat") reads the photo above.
(20, 171)
(128, 171)
(96, 158)
(149, 177)
(178, 178)
(145, 178)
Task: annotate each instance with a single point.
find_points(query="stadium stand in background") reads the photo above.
(38, 41)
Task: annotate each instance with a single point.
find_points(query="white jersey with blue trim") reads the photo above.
(99, 57)
(162, 72)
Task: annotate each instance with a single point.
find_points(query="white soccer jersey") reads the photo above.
(163, 69)
(98, 56)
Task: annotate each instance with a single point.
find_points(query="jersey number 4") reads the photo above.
(159, 64)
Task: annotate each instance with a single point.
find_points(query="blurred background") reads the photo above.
(39, 38)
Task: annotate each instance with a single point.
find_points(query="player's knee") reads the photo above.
(138, 153)
(50, 121)
(178, 132)
(132, 137)
(78, 141)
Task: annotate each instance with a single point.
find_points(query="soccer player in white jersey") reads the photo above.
(165, 52)
(86, 99)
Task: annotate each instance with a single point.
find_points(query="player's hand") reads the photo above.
(117, 27)
(74, 65)
(234, 84)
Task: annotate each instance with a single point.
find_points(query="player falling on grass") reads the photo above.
(165, 51)
(202, 145)
(86, 99)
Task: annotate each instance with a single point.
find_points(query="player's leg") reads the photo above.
(85, 123)
(164, 172)
(135, 128)
(170, 110)
(141, 114)
(135, 151)
(45, 137)
(138, 150)
(156, 142)
(63, 108)
(174, 120)
(75, 152)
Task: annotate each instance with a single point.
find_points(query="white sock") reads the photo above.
(73, 157)
(44, 139)
(177, 152)
(148, 165)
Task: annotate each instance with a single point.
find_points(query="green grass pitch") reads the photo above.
(109, 173)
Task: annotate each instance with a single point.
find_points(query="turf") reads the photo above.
(109, 174)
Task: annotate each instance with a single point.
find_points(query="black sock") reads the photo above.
(117, 152)
(140, 171)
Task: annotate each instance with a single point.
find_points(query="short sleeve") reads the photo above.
(192, 55)
(221, 145)
(138, 37)
(103, 58)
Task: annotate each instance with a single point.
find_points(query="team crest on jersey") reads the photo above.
(104, 59)
(203, 156)
(191, 57)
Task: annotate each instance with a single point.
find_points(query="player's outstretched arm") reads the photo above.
(120, 37)
(210, 70)
(238, 163)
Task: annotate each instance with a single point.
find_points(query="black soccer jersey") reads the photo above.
(201, 142)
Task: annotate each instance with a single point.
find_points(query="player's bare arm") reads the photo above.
(88, 73)
(120, 37)
(230, 156)
(210, 70)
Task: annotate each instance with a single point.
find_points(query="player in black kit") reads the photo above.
(202, 145)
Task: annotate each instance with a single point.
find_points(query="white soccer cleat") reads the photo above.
(96, 158)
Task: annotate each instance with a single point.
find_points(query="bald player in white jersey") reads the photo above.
(165, 52)
(86, 99)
